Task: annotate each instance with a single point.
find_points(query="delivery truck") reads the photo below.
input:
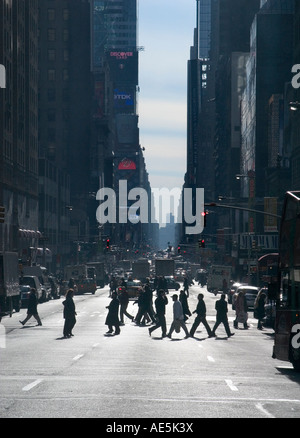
(141, 269)
(164, 267)
(218, 279)
(100, 273)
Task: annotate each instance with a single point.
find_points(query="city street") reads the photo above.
(135, 376)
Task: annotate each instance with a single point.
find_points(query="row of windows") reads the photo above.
(52, 74)
(51, 14)
(52, 54)
(52, 34)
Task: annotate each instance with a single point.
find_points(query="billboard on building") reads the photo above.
(123, 66)
(124, 98)
(127, 131)
(270, 222)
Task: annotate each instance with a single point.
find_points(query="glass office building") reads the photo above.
(114, 26)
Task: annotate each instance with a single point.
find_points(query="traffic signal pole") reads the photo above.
(214, 204)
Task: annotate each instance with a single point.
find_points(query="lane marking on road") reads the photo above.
(79, 356)
(231, 385)
(211, 359)
(32, 385)
(260, 407)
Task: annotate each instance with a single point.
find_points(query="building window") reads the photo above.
(51, 14)
(65, 35)
(51, 54)
(66, 14)
(51, 35)
(51, 74)
(51, 94)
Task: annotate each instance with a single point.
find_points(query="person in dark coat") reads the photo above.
(69, 314)
(160, 306)
(148, 302)
(186, 286)
(32, 308)
(124, 301)
(259, 308)
(201, 317)
(112, 319)
(222, 310)
(183, 298)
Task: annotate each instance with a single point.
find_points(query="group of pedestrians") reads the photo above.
(181, 312)
(117, 308)
(241, 309)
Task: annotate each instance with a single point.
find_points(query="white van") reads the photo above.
(33, 281)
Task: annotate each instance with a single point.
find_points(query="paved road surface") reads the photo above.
(134, 376)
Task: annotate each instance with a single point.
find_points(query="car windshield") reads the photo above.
(250, 292)
(27, 280)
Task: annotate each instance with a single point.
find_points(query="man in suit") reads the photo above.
(222, 310)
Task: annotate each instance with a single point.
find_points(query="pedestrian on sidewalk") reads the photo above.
(201, 317)
(259, 308)
(112, 319)
(160, 306)
(69, 314)
(222, 310)
(32, 308)
(178, 317)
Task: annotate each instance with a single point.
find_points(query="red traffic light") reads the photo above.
(201, 243)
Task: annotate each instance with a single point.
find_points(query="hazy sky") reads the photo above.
(166, 30)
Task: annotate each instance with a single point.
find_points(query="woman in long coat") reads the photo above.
(241, 310)
(69, 314)
(183, 298)
(112, 319)
(259, 308)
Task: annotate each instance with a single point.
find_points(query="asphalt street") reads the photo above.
(135, 376)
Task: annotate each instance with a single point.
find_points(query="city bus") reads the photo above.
(287, 323)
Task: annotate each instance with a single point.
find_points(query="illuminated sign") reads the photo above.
(127, 164)
(123, 98)
(121, 55)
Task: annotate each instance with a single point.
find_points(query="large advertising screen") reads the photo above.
(123, 66)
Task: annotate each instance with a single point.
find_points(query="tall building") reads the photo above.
(295, 116)
(19, 126)
(231, 47)
(64, 126)
(268, 70)
(115, 132)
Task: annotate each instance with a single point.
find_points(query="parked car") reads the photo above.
(88, 285)
(250, 293)
(33, 281)
(24, 294)
(232, 291)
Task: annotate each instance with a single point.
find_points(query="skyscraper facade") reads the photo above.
(19, 125)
